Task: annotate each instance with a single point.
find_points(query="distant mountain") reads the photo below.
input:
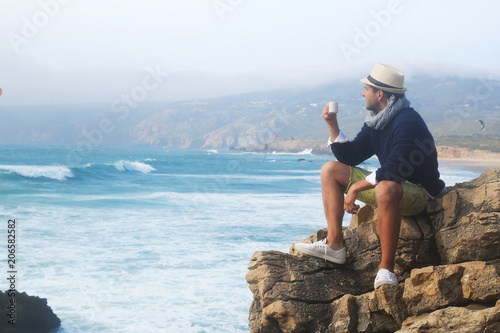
(449, 105)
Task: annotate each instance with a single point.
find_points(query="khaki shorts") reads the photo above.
(414, 198)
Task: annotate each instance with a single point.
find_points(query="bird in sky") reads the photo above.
(482, 124)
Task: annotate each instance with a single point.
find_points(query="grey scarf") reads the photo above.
(379, 120)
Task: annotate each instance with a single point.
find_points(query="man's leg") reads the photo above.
(388, 195)
(334, 179)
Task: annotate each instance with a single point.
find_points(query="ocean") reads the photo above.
(121, 239)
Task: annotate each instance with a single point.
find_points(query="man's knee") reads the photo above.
(388, 191)
(337, 171)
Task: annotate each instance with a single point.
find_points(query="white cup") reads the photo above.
(333, 107)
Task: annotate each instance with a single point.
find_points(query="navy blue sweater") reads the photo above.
(405, 149)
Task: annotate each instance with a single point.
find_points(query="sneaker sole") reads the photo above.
(385, 282)
(316, 255)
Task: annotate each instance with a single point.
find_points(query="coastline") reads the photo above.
(450, 156)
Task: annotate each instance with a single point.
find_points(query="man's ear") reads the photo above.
(380, 95)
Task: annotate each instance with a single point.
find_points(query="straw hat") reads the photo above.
(386, 78)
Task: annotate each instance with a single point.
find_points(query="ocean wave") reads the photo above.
(61, 173)
(133, 166)
(306, 151)
(39, 171)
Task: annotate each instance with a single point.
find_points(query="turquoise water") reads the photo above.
(152, 239)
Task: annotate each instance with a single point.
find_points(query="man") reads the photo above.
(407, 178)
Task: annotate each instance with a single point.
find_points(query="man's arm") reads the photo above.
(362, 185)
(346, 151)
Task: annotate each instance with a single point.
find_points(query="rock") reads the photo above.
(432, 288)
(455, 319)
(481, 281)
(381, 310)
(447, 262)
(290, 291)
(32, 314)
(474, 237)
(481, 195)
(467, 220)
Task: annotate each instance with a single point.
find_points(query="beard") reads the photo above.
(374, 106)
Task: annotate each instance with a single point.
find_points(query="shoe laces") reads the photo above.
(321, 244)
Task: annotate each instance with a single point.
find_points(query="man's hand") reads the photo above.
(350, 198)
(352, 195)
(329, 117)
(331, 121)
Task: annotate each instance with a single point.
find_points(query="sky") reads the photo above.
(95, 51)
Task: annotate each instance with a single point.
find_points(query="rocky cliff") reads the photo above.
(447, 262)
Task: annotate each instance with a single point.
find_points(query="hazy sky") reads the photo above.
(69, 51)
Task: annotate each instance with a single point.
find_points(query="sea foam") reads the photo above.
(133, 166)
(306, 151)
(38, 171)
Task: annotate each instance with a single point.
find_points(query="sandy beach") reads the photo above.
(480, 159)
(481, 165)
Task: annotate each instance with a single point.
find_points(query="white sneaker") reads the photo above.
(385, 276)
(321, 250)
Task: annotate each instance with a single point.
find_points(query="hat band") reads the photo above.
(380, 84)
